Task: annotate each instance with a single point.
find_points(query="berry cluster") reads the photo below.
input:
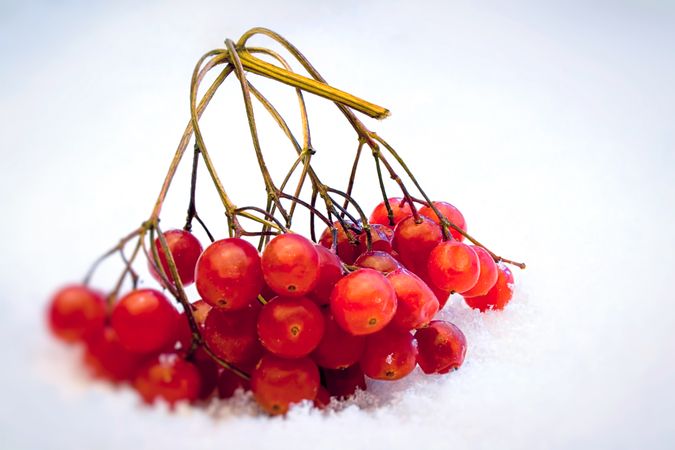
(295, 318)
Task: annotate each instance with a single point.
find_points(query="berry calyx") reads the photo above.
(389, 355)
(232, 335)
(363, 302)
(337, 349)
(185, 250)
(416, 303)
(451, 213)
(290, 265)
(488, 273)
(228, 274)
(441, 347)
(76, 311)
(168, 377)
(453, 266)
(399, 207)
(497, 297)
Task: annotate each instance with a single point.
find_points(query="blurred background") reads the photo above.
(549, 124)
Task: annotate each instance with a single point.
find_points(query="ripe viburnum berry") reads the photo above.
(337, 349)
(76, 311)
(497, 297)
(416, 303)
(363, 302)
(380, 235)
(453, 266)
(380, 261)
(185, 250)
(414, 241)
(400, 210)
(107, 358)
(389, 355)
(441, 347)
(330, 270)
(229, 275)
(145, 321)
(290, 265)
(278, 382)
(347, 249)
(232, 335)
(451, 213)
(168, 377)
(488, 273)
(290, 327)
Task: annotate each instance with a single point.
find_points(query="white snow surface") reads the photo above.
(550, 127)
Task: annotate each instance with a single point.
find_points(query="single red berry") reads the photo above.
(229, 275)
(200, 309)
(416, 303)
(107, 358)
(441, 347)
(343, 383)
(389, 355)
(229, 382)
(347, 249)
(76, 311)
(451, 213)
(500, 294)
(380, 235)
(232, 335)
(322, 399)
(487, 276)
(414, 241)
(278, 382)
(363, 302)
(290, 265)
(185, 250)
(453, 266)
(337, 349)
(168, 377)
(145, 321)
(290, 327)
(400, 209)
(380, 261)
(330, 271)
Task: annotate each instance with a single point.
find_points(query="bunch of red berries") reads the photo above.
(293, 319)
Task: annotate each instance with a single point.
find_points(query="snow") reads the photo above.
(550, 127)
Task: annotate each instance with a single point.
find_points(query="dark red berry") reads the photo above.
(229, 382)
(342, 383)
(441, 347)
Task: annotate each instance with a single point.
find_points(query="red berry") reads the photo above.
(497, 297)
(232, 335)
(441, 295)
(363, 302)
(330, 271)
(322, 399)
(451, 213)
(107, 358)
(290, 265)
(145, 321)
(441, 347)
(76, 311)
(346, 249)
(380, 236)
(228, 274)
(337, 349)
(168, 377)
(200, 309)
(417, 304)
(290, 327)
(342, 383)
(229, 382)
(487, 276)
(380, 261)
(185, 250)
(278, 382)
(414, 241)
(389, 355)
(400, 209)
(453, 266)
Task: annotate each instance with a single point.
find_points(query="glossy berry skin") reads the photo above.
(145, 321)
(185, 250)
(232, 335)
(389, 355)
(414, 241)
(380, 236)
(451, 213)
(342, 383)
(168, 377)
(330, 271)
(381, 261)
(229, 382)
(290, 265)
(497, 297)
(278, 382)
(453, 266)
(363, 302)
(417, 304)
(441, 347)
(487, 276)
(76, 311)
(347, 250)
(290, 327)
(401, 211)
(229, 275)
(337, 349)
(106, 357)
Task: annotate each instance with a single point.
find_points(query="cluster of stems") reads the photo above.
(338, 207)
